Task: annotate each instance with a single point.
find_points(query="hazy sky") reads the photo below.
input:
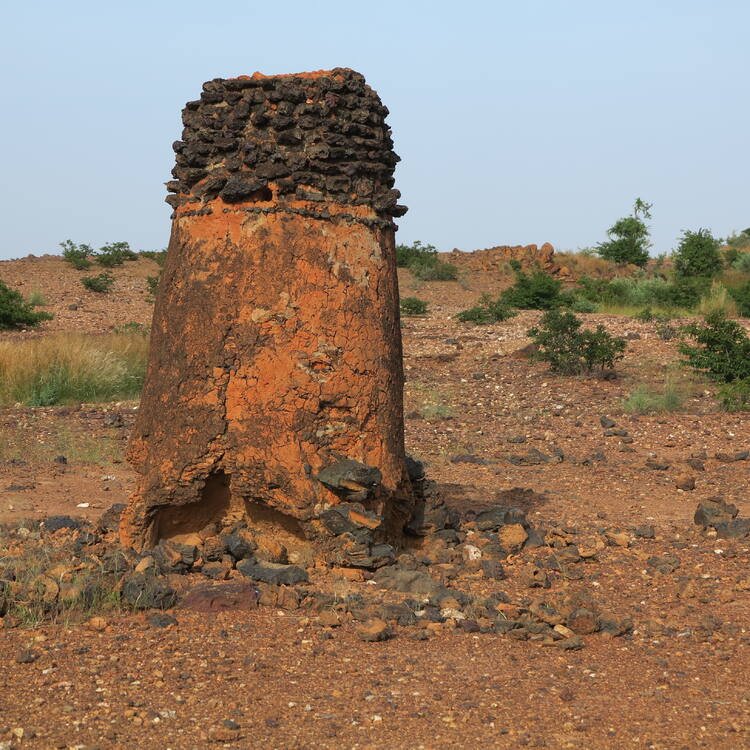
(517, 122)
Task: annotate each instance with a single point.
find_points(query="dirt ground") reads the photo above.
(479, 414)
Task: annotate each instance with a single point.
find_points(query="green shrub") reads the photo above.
(77, 255)
(413, 306)
(535, 291)
(487, 311)
(424, 263)
(101, 283)
(15, 312)
(407, 254)
(735, 396)
(628, 237)
(683, 293)
(646, 401)
(583, 305)
(741, 296)
(739, 240)
(570, 350)
(152, 282)
(433, 270)
(115, 254)
(721, 349)
(158, 256)
(697, 254)
(741, 262)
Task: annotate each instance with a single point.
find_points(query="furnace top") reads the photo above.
(319, 137)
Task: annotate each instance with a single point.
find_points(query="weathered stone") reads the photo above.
(408, 581)
(374, 630)
(144, 591)
(274, 387)
(716, 510)
(273, 573)
(512, 537)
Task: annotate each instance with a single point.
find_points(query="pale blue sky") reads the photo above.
(517, 122)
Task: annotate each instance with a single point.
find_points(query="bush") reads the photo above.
(629, 237)
(571, 351)
(697, 254)
(487, 311)
(643, 292)
(152, 282)
(741, 296)
(72, 368)
(413, 306)
(735, 396)
(423, 262)
(535, 291)
(15, 312)
(721, 350)
(741, 262)
(582, 305)
(115, 254)
(77, 255)
(739, 240)
(101, 283)
(158, 256)
(407, 254)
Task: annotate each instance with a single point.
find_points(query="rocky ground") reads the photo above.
(617, 622)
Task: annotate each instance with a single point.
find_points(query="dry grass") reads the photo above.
(72, 368)
(586, 264)
(718, 299)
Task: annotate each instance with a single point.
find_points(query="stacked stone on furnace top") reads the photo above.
(311, 136)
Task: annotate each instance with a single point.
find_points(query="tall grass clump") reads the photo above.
(718, 299)
(644, 400)
(72, 368)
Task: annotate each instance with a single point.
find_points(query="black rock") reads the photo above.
(493, 518)
(533, 457)
(110, 519)
(607, 422)
(711, 512)
(147, 591)
(350, 476)
(645, 531)
(240, 188)
(415, 469)
(239, 546)
(55, 523)
(407, 581)
(737, 528)
(273, 573)
(493, 569)
(161, 620)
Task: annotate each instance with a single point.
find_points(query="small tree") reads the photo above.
(15, 312)
(697, 254)
(77, 255)
(629, 237)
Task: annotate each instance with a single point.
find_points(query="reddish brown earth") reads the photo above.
(678, 681)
